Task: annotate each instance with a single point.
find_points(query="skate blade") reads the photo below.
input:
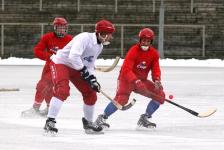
(105, 127)
(50, 133)
(43, 115)
(142, 128)
(93, 132)
(25, 115)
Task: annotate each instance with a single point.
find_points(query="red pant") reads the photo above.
(124, 90)
(44, 88)
(61, 75)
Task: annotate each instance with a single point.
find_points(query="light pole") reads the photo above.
(161, 30)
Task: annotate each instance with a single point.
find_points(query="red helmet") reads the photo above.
(104, 26)
(146, 33)
(60, 26)
(59, 21)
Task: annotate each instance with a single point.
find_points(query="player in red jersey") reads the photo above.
(48, 45)
(139, 61)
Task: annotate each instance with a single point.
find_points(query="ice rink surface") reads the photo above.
(198, 88)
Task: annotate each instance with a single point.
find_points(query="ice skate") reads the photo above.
(101, 121)
(143, 122)
(30, 113)
(44, 112)
(91, 128)
(50, 128)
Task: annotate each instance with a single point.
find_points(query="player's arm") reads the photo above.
(75, 58)
(128, 66)
(40, 50)
(156, 73)
(78, 46)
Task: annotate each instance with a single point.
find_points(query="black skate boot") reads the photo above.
(144, 122)
(101, 121)
(90, 127)
(50, 126)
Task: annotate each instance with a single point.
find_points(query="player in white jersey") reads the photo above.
(75, 63)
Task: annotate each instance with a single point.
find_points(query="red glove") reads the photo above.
(140, 85)
(158, 85)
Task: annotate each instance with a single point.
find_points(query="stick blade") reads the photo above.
(129, 105)
(207, 113)
(8, 89)
(110, 68)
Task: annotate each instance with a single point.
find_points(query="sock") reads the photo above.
(152, 107)
(55, 106)
(88, 112)
(110, 109)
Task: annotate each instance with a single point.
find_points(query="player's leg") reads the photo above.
(48, 93)
(89, 98)
(60, 78)
(144, 119)
(152, 106)
(122, 96)
(41, 89)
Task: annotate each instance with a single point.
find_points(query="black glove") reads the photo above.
(84, 73)
(91, 79)
(93, 83)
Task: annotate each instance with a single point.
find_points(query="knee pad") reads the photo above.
(122, 99)
(160, 98)
(48, 97)
(41, 85)
(90, 98)
(62, 92)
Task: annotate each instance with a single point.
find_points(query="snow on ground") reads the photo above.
(198, 86)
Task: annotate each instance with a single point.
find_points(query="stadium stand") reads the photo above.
(192, 30)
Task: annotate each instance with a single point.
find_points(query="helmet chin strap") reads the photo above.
(104, 42)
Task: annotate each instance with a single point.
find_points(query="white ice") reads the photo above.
(197, 87)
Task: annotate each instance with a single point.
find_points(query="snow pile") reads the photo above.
(108, 62)
(193, 62)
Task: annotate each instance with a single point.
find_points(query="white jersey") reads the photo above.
(81, 51)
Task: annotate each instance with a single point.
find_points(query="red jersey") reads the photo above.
(138, 63)
(49, 41)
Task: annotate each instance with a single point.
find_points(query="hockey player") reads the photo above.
(48, 45)
(139, 61)
(75, 63)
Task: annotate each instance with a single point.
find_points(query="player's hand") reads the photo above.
(158, 85)
(84, 73)
(54, 50)
(94, 84)
(91, 79)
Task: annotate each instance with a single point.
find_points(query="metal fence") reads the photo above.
(19, 38)
(78, 4)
